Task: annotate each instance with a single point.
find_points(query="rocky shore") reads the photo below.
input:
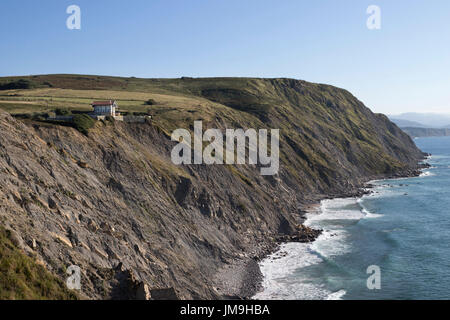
(242, 279)
(302, 234)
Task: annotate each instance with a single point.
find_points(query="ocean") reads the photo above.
(403, 228)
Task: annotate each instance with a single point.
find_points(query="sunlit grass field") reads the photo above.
(45, 100)
(172, 105)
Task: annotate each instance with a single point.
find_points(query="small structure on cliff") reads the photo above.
(108, 108)
(103, 110)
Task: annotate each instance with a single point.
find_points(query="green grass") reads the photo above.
(18, 108)
(21, 278)
(83, 123)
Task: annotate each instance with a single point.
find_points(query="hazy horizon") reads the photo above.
(421, 113)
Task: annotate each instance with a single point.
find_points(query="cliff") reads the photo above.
(112, 202)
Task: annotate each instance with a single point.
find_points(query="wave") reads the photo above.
(370, 215)
(286, 275)
(338, 295)
(434, 157)
(335, 209)
(382, 190)
(279, 269)
(284, 278)
(331, 243)
(427, 174)
(346, 209)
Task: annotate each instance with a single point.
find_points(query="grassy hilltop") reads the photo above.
(305, 112)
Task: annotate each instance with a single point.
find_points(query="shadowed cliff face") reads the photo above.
(115, 197)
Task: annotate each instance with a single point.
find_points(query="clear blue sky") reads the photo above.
(403, 67)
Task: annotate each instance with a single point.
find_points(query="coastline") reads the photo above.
(243, 279)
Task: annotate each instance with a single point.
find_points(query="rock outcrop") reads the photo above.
(302, 234)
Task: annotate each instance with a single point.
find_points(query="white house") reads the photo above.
(106, 108)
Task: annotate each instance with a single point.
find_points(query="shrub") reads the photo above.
(23, 115)
(40, 116)
(63, 112)
(18, 84)
(138, 114)
(83, 123)
(150, 102)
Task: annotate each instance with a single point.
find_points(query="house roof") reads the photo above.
(103, 103)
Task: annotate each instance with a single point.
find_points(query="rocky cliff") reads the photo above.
(112, 202)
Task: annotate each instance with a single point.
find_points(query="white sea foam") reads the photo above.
(337, 295)
(278, 269)
(435, 157)
(335, 209)
(382, 191)
(370, 215)
(283, 275)
(283, 279)
(427, 174)
(331, 243)
(365, 211)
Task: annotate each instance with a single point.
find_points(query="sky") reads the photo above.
(402, 67)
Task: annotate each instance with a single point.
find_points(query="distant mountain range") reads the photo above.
(423, 124)
(427, 132)
(421, 120)
(406, 123)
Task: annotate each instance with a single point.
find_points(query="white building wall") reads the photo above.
(110, 110)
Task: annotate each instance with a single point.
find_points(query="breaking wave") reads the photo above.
(286, 272)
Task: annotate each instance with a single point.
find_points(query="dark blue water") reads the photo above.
(404, 228)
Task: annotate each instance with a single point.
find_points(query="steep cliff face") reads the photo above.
(114, 197)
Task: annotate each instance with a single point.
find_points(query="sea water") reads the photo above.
(403, 227)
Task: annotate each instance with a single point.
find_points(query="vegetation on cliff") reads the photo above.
(22, 278)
